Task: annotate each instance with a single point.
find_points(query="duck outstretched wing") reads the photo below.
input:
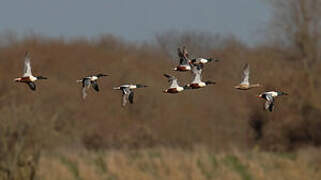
(246, 74)
(197, 73)
(32, 85)
(94, 85)
(172, 80)
(131, 97)
(85, 87)
(126, 96)
(27, 66)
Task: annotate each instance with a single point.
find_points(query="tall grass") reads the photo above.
(181, 164)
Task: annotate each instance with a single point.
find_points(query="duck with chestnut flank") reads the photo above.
(27, 76)
(184, 62)
(90, 81)
(269, 96)
(173, 87)
(128, 93)
(197, 78)
(245, 83)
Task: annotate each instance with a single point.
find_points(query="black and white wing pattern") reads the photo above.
(180, 53)
(128, 95)
(269, 103)
(27, 66)
(246, 74)
(172, 80)
(85, 87)
(32, 85)
(197, 73)
(183, 56)
(131, 97)
(185, 53)
(94, 85)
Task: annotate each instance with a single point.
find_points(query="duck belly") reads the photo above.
(172, 90)
(195, 85)
(23, 79)
(183, 68)
(243, 87)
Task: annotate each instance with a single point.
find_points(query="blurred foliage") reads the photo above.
(217, 117)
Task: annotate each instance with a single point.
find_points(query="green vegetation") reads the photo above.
(237, 166)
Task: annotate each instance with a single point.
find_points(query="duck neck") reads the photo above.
(255, 85)
(187, 87)
(209, 82)
(40, 77)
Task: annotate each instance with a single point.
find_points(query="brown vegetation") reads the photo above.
(219, 118)
(178, 164)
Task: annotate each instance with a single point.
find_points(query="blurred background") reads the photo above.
(201, 134)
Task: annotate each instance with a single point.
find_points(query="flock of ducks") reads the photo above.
(186, 64)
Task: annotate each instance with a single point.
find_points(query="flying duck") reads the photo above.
(128, 93)
(90, 81)
(269, 98)
(245, 83)
(174, 87)
(184, 62)
(27, 76)
(197, 78)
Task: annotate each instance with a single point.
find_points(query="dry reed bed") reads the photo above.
(176, 164)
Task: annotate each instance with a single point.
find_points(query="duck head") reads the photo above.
(214, 59)
(282, 93)
(140, 86)
(41, 77)
(209, 82)
(101, 75)
(187, 86)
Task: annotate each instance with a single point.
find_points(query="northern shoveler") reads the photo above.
(269, 98)
(174, 87)
(184, 62)
(27, 76)
(245, 83)
(128, 93)
(90, 81)
(197, 78)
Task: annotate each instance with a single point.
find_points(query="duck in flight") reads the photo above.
(269, 96)
(199, 60)
(197, 78)
(245, 83)
(128, 93)
(173, 87)
(184, 62)
(27, 76)
(90, 81)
